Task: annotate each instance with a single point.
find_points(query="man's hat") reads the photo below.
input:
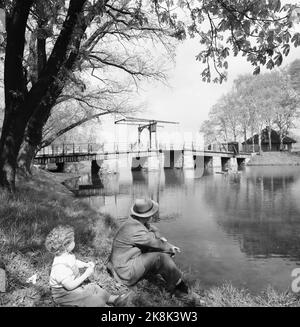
(144, 208)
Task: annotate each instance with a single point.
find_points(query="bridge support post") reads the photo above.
(173, 159)
(60, 167)
(153, 163)
(188, 160)
(199, 165)
(168, 158)
(178, 159)
(216, 164)
(95, 167)
(233, 164)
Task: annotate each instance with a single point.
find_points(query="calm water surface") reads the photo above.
(243, 228)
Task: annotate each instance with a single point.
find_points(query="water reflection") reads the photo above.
(260, 212)
(242, 226)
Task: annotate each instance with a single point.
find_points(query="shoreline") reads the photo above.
(42, 203)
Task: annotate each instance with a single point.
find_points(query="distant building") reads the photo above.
(275, 139)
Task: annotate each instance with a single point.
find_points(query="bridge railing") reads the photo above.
(121, 147)
(87, 148)
(70, 148)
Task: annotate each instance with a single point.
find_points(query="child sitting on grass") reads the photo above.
(66, 283)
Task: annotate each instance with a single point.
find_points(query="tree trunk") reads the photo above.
(245, 135)
(281, 141)
(34, 131)
(253, 143)
(26, 155)
(11, 139)
(20, 105)
(270, 138)
(259, 141)
(16, 113)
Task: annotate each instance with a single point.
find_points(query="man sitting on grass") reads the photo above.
(139, 251)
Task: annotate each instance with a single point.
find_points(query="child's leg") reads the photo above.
(112, 299)
(120, 300)
(96, 296)
(101, 297)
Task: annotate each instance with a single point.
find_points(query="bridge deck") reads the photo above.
(89, 156)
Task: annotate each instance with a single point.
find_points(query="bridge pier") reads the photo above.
(216, 164)
(173, 159)
(188, 160)
(95, 166)
(199, 166)
(153, 163)
(60, 167)
(233, 164)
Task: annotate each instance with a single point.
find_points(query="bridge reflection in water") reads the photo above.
(242, 227)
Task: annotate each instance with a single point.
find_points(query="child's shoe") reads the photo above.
(123, 299)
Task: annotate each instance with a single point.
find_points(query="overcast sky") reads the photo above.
(188, 99)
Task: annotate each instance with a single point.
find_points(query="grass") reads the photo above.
(42, 203)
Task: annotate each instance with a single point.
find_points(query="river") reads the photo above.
(241, 227)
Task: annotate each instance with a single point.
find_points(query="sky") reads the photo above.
(188, 99)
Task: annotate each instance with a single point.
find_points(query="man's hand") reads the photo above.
(174, 250)
(90, 264)
(89, 271)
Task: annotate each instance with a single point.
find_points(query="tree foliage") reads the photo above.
(261, 30)
(254, 103)
(49, 45)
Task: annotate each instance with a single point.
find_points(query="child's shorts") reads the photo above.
(89, 295)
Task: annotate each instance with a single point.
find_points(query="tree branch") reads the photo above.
(53, 137)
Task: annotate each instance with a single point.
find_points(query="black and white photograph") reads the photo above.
(149, 156)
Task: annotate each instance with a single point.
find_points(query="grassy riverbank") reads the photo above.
(275, 159)
(42, 203)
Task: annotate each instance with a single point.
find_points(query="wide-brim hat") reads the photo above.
(144, 208)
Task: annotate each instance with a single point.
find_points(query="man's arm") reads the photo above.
(145, 239)
(153, 229)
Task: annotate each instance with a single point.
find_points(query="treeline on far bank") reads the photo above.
(255, 102)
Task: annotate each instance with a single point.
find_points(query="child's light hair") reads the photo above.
(59, 238)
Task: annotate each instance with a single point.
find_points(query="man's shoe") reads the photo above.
(181, 288)
(196, 300)
(191, 298)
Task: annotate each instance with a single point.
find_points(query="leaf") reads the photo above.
(286, 49)
(277, 5)
(256, 70)
(296, 39)
(270, 64)
(278, 59)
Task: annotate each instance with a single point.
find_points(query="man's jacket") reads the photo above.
(131, 241)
